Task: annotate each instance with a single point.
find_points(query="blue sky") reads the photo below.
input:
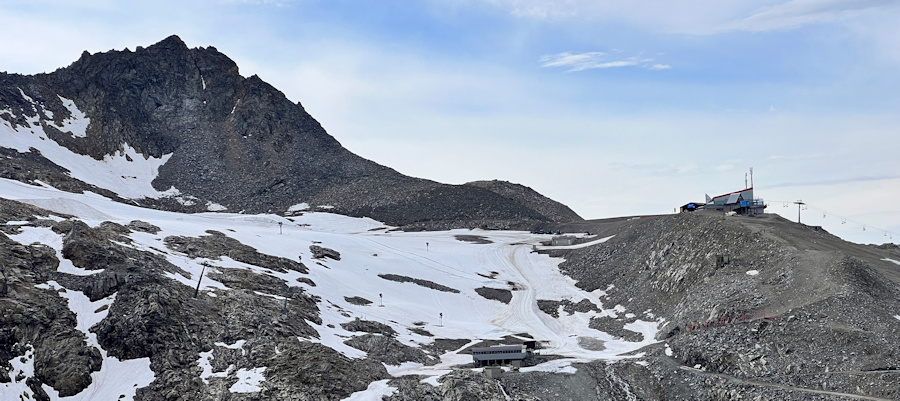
(614, 108)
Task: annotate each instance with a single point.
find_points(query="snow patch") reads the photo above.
(248, 380)
(174, 193)
(432, 380)
(299, 207)
(239, 344)
(78, 123)
(892, 260)
(375, 391)
(576, 246)
(215, 207)
(22, 366)
(555, 366)
(207, 370)
(897, 316)
(752, 272)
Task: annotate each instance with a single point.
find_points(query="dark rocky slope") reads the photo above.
(556, 211)
(234, 141)
(814, 318)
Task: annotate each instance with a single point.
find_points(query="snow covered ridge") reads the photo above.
(127, 172)
(417, 314)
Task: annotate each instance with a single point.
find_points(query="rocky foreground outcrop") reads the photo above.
(753, 308)
(155, 317)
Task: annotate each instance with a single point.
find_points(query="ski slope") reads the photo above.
(368, 248)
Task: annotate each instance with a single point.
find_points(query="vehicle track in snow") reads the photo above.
(542, 281)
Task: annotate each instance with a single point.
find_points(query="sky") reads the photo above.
(612, 108)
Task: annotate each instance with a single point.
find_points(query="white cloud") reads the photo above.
(725, 167)
(696, 16)
(795, 13)
(596, 60)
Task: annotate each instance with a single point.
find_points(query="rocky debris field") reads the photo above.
(756, 307)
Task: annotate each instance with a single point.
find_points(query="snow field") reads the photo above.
(367, 249)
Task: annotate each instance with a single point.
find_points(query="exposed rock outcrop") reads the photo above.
(320, 252)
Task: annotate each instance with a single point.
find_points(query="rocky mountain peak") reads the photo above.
(221, 141)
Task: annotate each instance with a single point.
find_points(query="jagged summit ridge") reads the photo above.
(229, 143)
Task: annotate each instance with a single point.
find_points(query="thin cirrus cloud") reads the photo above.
(796, 13)
(575, 62)
(717, 17)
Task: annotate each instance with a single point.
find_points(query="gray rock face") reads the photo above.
(368, 326)
(388, 350)
(217, 244)
(497, 294)
(319, 252)
(143, 226)
(38, 318)
(305, 371)
(234, 141)
(460, 385)
(417, 281)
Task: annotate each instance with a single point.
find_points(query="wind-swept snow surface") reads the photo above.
(448, 308)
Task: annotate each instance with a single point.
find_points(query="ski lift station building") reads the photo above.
(740, 202)
(501, 355)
